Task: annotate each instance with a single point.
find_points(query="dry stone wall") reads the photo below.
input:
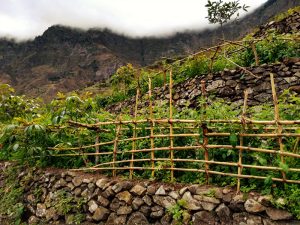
(230, 85)
(64, 197)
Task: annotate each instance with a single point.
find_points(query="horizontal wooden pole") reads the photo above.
(255, 150)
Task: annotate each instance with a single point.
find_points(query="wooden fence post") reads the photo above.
(171, 126)
(277, 118)
(151, 125)
(240, 162)
(205, 131)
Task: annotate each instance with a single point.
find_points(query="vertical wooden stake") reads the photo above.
(240, 162)
(97, 149)
(255, 54)
(118, 129)
(279, 126)
(171, 127)
(151, 126)
(165, 78)
(205, 131)
(134, 133)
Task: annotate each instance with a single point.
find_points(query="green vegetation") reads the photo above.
(11, 193)
(178, 212)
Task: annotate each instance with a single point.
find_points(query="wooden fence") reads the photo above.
(202, 131)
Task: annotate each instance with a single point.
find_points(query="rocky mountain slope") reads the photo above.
(65, 59)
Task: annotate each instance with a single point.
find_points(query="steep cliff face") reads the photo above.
(65, 59)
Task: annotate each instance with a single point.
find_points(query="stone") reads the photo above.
(51, 214)
(226, 92)
(174, 195)
(138, 190)
(33, 220)
(124, 185)
(247, 219)
(207, 199)
(290, 79)
(87, 180)
(215, 84)
(227, 190)
(115, 204)
(263, 87)
(191, 203)
(100, 214)
(166, 219)
(262, 97)
(253, 206)
(157, 212)
(40, 210)
(176, 96)
(164, 201)
(151, 190)
(278, 214)
(85, 193)
(203, 217)
(31, 199)
(147, 199)
(103, 201)
(124, 196)
(160, 191)
(101, 183)
(231, 83)
(114, 219)
(77, 191)
(60, 183)
(108, 192)
(77, 181)
(124, 210)
(237, 203)
(208, 206)
(258, 70)
(145, 210)
(183, 190)
(92, 206)
(223, 213)
(265, 200)
(91, 187)
(137, 218)
(71, 186)
(136, 203)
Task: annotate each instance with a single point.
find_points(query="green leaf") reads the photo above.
(284, 167)
(15, 147)
(233, 139)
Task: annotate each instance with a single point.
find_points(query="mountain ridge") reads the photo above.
(66, 59)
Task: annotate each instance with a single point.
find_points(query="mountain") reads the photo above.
(66, 59)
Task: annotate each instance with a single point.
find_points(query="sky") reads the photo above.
(25, 19)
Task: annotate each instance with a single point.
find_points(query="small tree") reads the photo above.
(221, 12)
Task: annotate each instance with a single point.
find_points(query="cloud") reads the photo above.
(25, 19)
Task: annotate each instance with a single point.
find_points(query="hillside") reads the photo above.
(66, 59)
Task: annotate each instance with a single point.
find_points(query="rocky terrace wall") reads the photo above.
(64, 197)
(230, 85)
